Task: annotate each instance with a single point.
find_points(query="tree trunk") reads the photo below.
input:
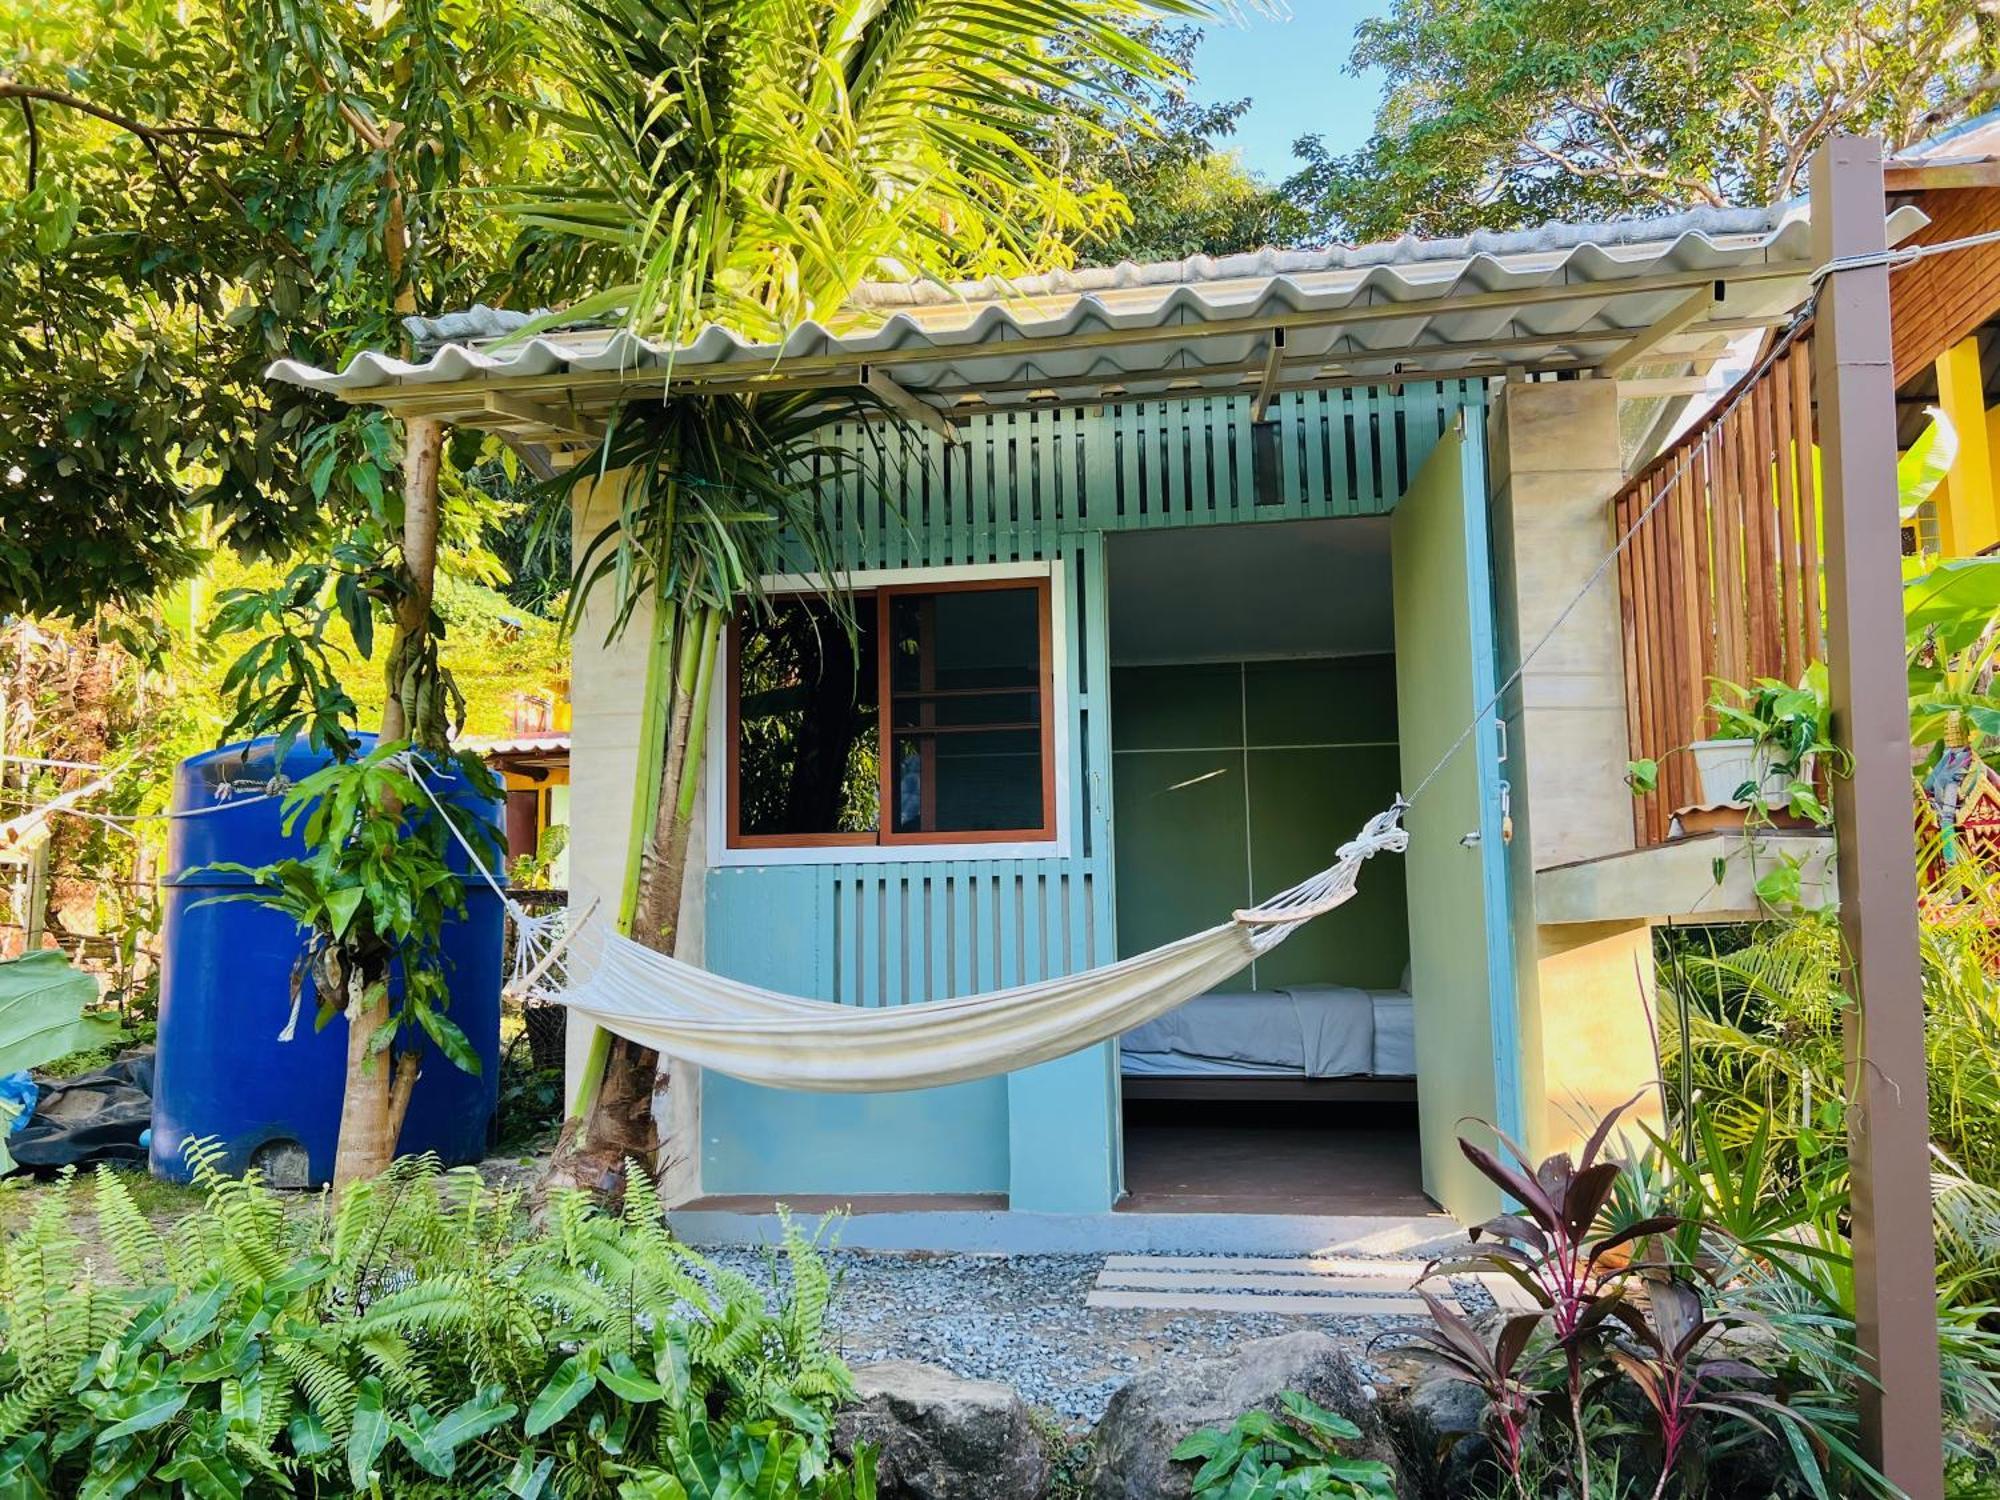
(378, 1090)
(404, 714)
(614, 1118)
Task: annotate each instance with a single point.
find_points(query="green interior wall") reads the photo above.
(1233, 780)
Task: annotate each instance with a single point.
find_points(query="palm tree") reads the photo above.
(750, 162)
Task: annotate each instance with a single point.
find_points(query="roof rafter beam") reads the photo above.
(1922, 176)
(528, 412)
(1642, 390)
(1684, 314)
(1300, 367)
(884, 388)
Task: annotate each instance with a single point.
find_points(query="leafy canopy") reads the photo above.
(1510, 113)
(1186, 192)
(189, 191)
(752, 161)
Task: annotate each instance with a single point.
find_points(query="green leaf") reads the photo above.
(206, 1475)
(367, 479)
(1327, 1425)
(1804, 1461)
(1644, 775)
(1781, 887)
(308, 1435)
(41, 1011)
(125, 1473)
(450, 1039)
(573, 1380)
(341, 905)
(145, 1411)
(369, 1432)
(193, 1320)
(1924, 464)
(434, 1442)
(652, 1484)
(622, 1378)
(527, 1479)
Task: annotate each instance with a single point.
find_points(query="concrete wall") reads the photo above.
(1554, 458)
(1595, 1010)
(607, 696)
(607, 689)
(1584, 989)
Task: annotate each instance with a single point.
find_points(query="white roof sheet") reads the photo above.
(1565, 296)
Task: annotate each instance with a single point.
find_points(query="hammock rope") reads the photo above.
(789, 1041)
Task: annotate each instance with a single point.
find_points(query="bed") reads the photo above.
(1318, 1041)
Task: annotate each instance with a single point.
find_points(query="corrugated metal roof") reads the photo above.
(1564, 297)
(550, 744)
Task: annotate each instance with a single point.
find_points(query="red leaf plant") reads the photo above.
(1547, 1247)
(1675, 1384)
(1510, 1399)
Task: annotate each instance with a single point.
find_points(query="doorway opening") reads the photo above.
(1253, 722)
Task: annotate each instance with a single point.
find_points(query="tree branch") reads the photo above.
(27, 92)
(34, 140)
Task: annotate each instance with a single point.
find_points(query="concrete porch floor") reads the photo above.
(1246, 1158)
(1208, 1178)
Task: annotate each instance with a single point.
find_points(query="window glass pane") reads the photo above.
(807, 747)
(966, 710)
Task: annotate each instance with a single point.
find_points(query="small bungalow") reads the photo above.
(1172, 577)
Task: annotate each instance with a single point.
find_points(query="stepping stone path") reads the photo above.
(1315, 1285)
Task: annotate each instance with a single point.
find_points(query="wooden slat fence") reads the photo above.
(1721, 578)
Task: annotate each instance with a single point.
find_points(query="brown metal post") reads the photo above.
(1895, 1271)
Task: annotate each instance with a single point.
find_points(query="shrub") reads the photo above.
(1293, 1454)
(411, 1342)
(1636, 1294)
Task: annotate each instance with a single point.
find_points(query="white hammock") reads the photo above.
(765, 1037)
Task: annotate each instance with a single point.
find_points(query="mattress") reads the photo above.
(1308, 1031)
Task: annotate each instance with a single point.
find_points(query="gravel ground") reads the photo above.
(1022, 1320)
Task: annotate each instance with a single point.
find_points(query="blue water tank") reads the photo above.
(225, 993)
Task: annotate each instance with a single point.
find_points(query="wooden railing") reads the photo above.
(1721, 578)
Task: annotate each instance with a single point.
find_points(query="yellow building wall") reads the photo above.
(1595, 1013)
(1968, 501)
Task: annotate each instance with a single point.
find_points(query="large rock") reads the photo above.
(1442, 1423)
(939, 1437)
(1131, 1450)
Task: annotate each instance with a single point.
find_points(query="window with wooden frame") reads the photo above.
(929, 719)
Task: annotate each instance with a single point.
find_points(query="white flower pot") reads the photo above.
(1724, 765)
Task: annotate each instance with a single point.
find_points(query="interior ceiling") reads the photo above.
(1232, 593)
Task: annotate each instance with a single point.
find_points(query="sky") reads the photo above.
(1294, 72)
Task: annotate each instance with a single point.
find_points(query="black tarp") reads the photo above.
(92, 1118)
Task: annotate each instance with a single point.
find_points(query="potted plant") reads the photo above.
(1785, 732)
(1759, 768)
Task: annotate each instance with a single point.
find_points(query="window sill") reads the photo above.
(891, 854)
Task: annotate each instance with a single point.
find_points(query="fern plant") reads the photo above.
(411, 1341)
